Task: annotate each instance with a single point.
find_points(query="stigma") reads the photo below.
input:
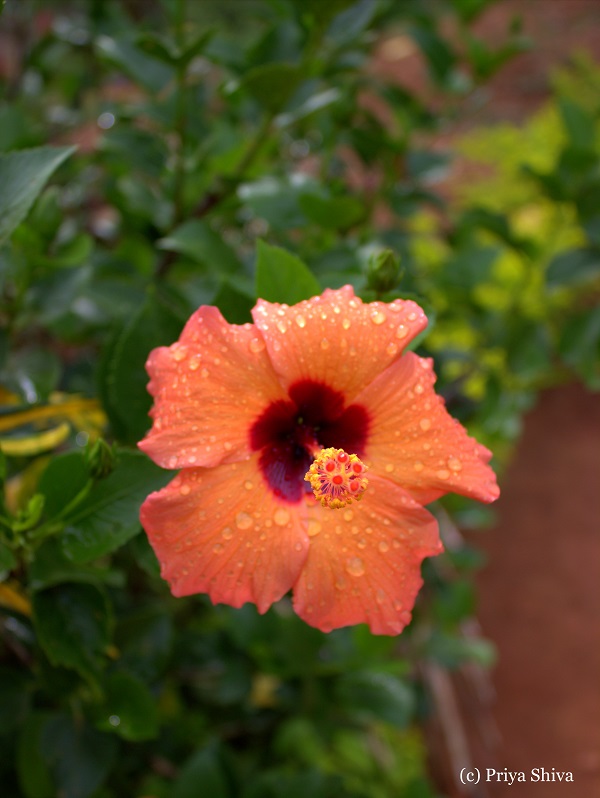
(337, 478)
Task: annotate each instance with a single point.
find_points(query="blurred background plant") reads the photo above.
(156, 156)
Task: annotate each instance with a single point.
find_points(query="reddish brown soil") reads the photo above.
(540, 599)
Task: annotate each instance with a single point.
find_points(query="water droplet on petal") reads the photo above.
(389, 468)
(256, 345)
(341, 583)
(346, 324)
(380, 596)
(392, 349)
(281, 517)
(194, 363)
(324, 343)
(348, 515)
(383, 546)
(243, 521)
(184, 490)
(454, 464)
(204, 373)
(419, 388)
(378, 317)
(443, 473)
(355, 566)
(248, 485)
(227, 533)
(300, 320)
(218, 548)
(314, 527)
(282, 326)
(418, 465)
(425, 424)
(402, 331)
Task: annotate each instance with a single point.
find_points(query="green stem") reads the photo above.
(52, 526)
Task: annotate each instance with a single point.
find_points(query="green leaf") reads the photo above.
(579, 346)
(234, 304)
(79, 757)
(271, 84)
(148, 72)
(573, 266)
(283, 277)
(109, 516)
(34, 776)
(580, 126)
(128, 708)
(73, 624)
(14, 697)
(203, 768)
(336, 213)
(7, 558)
(198, 241)
(123, 377)
(23, 174)
(51, 566)
(376, 696)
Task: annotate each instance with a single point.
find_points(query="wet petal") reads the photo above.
(336, 339)
(414, 441)
(208, 388)
(220, 531)
(363, 564)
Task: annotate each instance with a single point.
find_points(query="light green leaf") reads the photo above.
(283, 277)
(23, 174)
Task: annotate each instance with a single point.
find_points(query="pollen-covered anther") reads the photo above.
(337, 478)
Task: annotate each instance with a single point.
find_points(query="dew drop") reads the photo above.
(389, 468)
(276, 346)
(300, 320)
(180, 353)
(218, 548)
(227, 533)
(362, 543)
(204, 373)
(380, 596)
(281, 517)
(184, 490)
(346, 324)
(298, 546)
(392, 349)
(412, 316)
(355, 566)
(383, 546)
(419, 388)
(227, 446)
(324, 343)
(454, 464)
(243, 521)
(282, 326)
(443, 473)
(194, 363)
(341, 583)
(248, 485)
(348, 515)
(425, 424)
(256, 345)
(402, 331)
(314, 527)
(378, 317)
(418, 465)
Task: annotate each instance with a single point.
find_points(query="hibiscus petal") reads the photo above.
(336, 339)
(220, 531)
(208, 388)
(415, 442)
(363, 564)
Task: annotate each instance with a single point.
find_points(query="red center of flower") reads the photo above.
(289, 433)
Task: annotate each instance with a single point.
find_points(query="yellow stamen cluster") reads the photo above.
(337, 478)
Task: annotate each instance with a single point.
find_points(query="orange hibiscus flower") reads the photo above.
(308, 444)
